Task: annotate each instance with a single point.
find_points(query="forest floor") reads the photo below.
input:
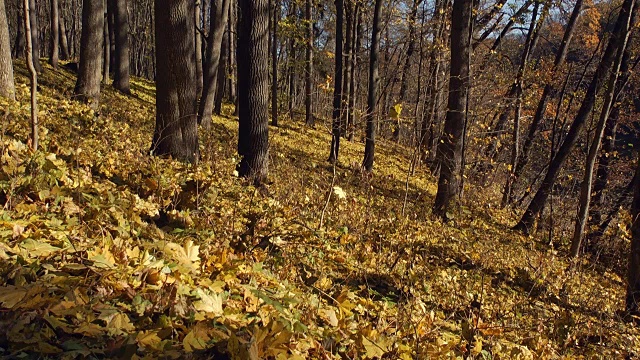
(107, 252)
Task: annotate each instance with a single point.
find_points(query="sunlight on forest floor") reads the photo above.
(109, 252)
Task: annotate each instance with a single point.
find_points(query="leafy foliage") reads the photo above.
(109, 252)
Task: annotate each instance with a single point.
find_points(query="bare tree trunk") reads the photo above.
(274, 61)
(232, 68)
(372, 98)
(450, 148)
(35, 41)
(308, 75)
(336, 128)
(106, 52)
(585, 188)
(253, 80)
(121, 74)
(528, 219)
(292, 61)
(346, 78)
(7, 85)
(223, 74)
(20, 45)
(176, 131)
(199, 70)
(64, 44)
(55, 34)
(218, 23)
(411, 48)
(633, 273)
(355, 49)
(90, 70)
(34, 75)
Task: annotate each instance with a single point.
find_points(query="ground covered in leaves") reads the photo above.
(107, 252)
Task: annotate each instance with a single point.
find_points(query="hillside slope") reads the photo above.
(108, 252)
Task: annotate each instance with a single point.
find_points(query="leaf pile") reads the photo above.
(108, 252)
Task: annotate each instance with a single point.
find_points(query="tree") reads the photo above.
(273, 28)
(121, 34)
(449, 153)
(35, 38)
(176, 131)
(7, 86)
(90, 67)
(336, 127)
(539, 200)
(34, 75)
(218, 23)
(55, 34)
(308, 73)
(198, 37)
(372, 97)
(633, 272)
(253, 83)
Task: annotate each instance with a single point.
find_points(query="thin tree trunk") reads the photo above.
(336, 128)
(232, 68)
(176, 131)
(527, 221)
(346, 86)
(355, 49)
(90, 70)
(274, 62)
(106, 62)
(19, 48)
(308, 75)
(7, 85)
(374, 80)
(35, 40)
(253, 79)
(55, 34)
(218, 23)
(411, 48)
(450, 148)
(585, 188)
(34, 74)
(121, 74)
(223, 74)
(199, 70)
(292, 61)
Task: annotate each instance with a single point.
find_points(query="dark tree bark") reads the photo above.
(411, 48)
(292, 60)
(7, 85)
(199, 65)
(353, 59)
(273, 28)
(33, 74)
(449, 153)
(121, 71)
(55, 34)
(338, 96)
(372, 97)
(64, 43)
(90, 69)
(232, 67)
(218, 23)
(346, 77)
(633, 273)
(253, 82)
(618, 36)
(223, 74)
(106, 50)
(35, 37)
(308, 74)
(176, 131)
(19, 47)
(548, 91)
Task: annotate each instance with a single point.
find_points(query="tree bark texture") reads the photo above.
(7, 85)
(90, 70)
(55, 34)
(336, 126)
(121, 73)
(372, 97)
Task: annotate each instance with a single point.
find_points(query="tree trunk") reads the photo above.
(19, 47)
(449, 153)
(64, 44)
(90, 70)
(199, 70)
(253, 81)
(273, 24)
(411, 48)
(218, 23)
(55, 34)
(121, 33)
(35, 39)
(292, 61)
(372, 97)
(176, 131)
(7, 85)
(585, 188)
(308, 73)
(223, 74)
(618, 36)
(548, 90)
(34, 74)
(633, 274)
(355, 49)
(336, 127)
(106, 50)
(232, 67)
(346, 78)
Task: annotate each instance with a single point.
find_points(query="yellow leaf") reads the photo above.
(209, 303)
(37, 249)
(11, 295)
(149, 339)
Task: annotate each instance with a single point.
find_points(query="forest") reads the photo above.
(308, 179)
